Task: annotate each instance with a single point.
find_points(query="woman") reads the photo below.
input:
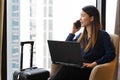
(95, 44)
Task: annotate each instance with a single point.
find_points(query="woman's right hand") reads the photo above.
(74, 29)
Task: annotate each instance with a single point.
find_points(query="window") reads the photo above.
(15, 1)
(110, 15)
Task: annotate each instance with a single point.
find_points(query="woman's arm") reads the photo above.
(71, 36)
(109, 49)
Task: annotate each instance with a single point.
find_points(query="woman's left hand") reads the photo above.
(89, 65)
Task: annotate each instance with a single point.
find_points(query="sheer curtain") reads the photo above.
(1, 31)
(117, 23)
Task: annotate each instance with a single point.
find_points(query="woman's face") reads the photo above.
(85, 19)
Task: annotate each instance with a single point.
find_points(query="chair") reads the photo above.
(107, 71)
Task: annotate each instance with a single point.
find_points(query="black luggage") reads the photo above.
(32, 73)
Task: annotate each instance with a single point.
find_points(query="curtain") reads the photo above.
(117, 23)
(117, 31)
(1, 31)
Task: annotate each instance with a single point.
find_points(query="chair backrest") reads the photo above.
(115, 40)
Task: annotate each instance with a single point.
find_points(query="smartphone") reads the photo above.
(77, 24)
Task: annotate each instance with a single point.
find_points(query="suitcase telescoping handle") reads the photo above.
(31, 54)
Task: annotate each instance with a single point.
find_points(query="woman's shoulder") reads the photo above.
(103, 33)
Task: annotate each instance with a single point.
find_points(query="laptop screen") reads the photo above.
(65, 52)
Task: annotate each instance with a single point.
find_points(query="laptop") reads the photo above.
(66, 53)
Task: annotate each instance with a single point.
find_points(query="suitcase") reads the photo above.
(31, 73)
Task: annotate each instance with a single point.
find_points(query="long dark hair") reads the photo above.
(96, 26)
